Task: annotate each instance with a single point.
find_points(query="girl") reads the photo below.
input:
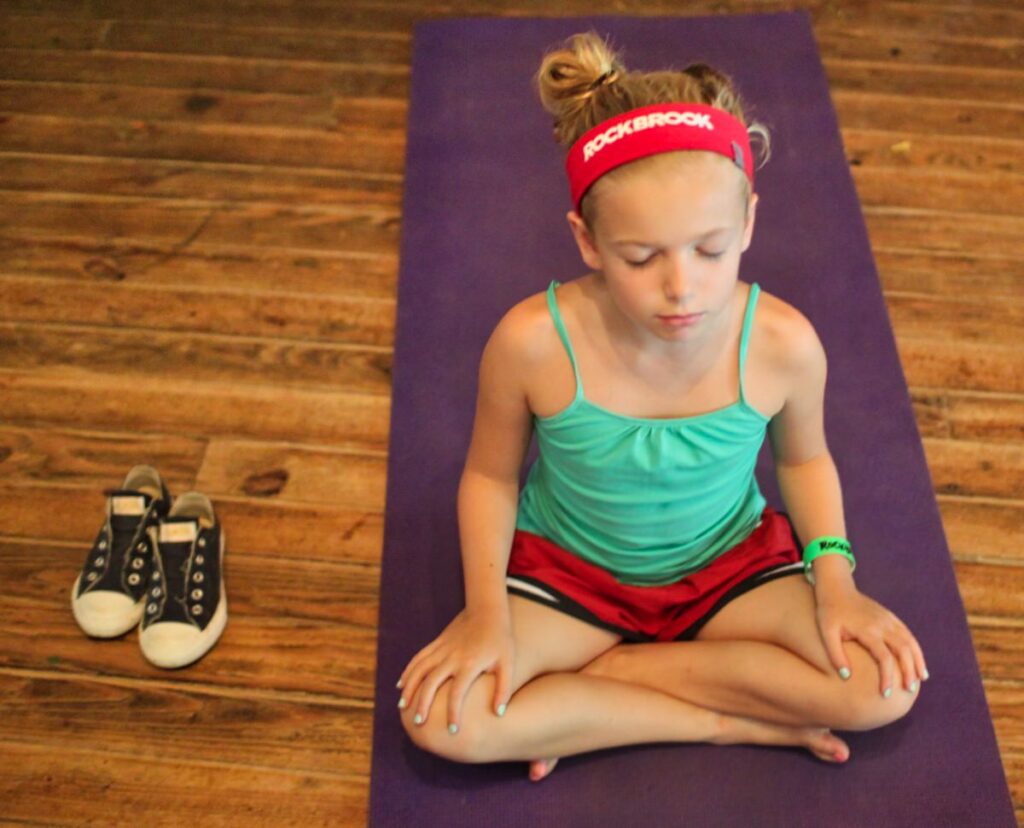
(652, 382)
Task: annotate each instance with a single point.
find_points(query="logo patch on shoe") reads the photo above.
(177, 532)
(128, 505)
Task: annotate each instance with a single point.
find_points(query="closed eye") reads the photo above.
(704, 253)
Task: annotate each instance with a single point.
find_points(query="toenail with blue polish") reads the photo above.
(501, 710)
(418, 719)
(844, 673)
(888, 692)
(453, 728)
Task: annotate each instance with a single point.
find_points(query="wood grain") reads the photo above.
(199, 235)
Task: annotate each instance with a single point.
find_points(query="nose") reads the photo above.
(677, 279)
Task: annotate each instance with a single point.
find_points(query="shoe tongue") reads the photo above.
(178, 530)
(128, 502)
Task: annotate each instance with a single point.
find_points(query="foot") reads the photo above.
(539, 768)
(818, 740)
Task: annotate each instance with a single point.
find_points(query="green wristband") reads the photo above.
(826, 545)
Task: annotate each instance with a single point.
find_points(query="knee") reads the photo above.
(862, 705)
(432, 735)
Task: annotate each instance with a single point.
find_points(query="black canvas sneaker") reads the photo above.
(108, 594)
(186, 604)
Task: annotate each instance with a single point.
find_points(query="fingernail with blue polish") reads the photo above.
(501, 710)
(453, 728)
(402, 703)
(399, 684)
(913, 686)
(418, 719)
(926, 675)
(888, 692)
(844, 673)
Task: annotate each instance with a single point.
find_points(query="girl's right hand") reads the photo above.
(473, 643)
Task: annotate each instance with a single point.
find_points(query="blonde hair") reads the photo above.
(583, 82)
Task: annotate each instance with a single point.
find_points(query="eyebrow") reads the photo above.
(648, 244)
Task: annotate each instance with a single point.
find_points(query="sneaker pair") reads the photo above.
(156, 566)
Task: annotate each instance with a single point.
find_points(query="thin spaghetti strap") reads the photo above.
(560, 325)
(748, 317)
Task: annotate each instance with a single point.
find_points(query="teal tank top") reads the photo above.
(648, 499)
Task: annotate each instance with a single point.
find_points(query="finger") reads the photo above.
(922, 668)
(417, 660)
(910, 677)
(412, 683)
(886, 663)
(832, 637)
(503, 678)
(427, 691)
(461, 682)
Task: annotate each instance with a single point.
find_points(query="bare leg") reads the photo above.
(565, 713)
(762, 656)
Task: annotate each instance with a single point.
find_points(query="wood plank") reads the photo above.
(1006, 704)
(963, 318)
(220, 268)
(368, 230)
(293, 627)
(339, 419)
(235, 38)
(963, 366)
(976, 468)
(343, 530)
(895, 45)
(120, 351)
(920, 81)
(173, 720)
(265, 329)
(983, 529)
(924, 188)
(308, 476)
(98, 460)
(41, 781)
(981, 274)
(108, 101)
(999, 649)
(882, 149)
(352, 79)
(355, 149)
(995, 591)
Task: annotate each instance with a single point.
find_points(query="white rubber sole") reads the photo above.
(104, 613)
(171, 644)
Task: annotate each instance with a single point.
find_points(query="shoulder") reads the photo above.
(522, 338)
(789, 339)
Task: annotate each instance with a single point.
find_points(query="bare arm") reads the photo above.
(479, 639)
(810, 486)
(489, 487)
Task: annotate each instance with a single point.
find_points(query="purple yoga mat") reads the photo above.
(483, 227)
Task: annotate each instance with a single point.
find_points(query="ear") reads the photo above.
(585, 242)
(748, 230)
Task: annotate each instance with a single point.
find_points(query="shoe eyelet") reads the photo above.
(140, 546)
(99, 561)
(151, 609)
(155, 576)
(103, 544)
(156, 592)
(197, 594)
(197, 609)
(197, 577)
(138, 563)
(133, 579)
(199, 560)
(202, 541)
(92, 576)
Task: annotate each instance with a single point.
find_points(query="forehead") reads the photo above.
(690, 192)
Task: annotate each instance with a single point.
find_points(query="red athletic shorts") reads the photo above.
(545, 572)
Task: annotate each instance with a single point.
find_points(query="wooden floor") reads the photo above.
(199, 231)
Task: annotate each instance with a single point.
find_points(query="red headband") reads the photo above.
(653, 129)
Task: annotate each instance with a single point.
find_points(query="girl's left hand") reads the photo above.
(849, 615)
